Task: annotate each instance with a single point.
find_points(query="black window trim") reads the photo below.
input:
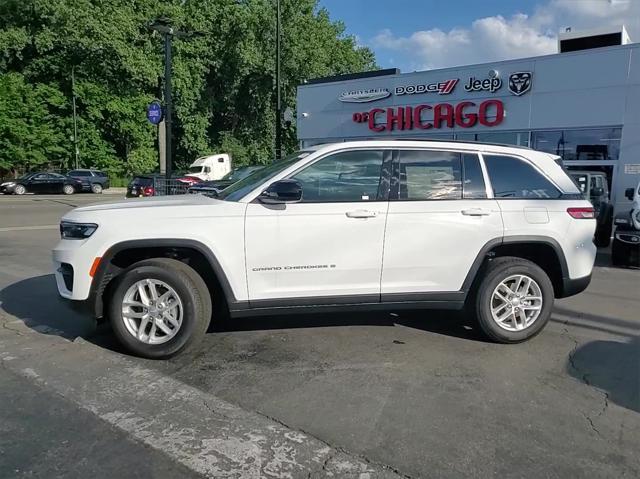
(562, 194)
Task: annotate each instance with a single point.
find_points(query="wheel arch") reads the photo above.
(194, 253)
(544, 251)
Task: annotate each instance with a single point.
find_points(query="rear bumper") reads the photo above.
(571, 287)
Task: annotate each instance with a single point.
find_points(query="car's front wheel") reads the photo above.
(514, 300)
(19, 190)
(159, 307)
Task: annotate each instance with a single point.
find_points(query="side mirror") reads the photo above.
(283, 191)
(597, 191)
(629, 193)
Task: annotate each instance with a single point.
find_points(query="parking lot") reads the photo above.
(408, 394)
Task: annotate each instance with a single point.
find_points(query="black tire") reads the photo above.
(602, 238)
(619, 254)
(96, 188)
(68, 189)
(19, 190)
(498, 270)
(193, 293)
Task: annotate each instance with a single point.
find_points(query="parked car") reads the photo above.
(41, 182)
(625, 250)
(141, 186)
(94, 181)
(212, 188)
(501, 234)
(594, 187)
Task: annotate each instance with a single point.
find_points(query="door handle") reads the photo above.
(476, 212)
(361, 214)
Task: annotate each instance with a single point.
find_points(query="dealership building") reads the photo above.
(582, 103)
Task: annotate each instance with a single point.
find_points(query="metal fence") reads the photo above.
(165, 187)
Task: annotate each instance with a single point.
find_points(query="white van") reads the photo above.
(212, 167)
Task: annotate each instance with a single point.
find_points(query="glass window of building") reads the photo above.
(580, 145)
(519, 138)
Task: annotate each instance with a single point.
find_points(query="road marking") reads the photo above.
(29, 228)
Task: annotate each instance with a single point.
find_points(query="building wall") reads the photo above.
(589, 89)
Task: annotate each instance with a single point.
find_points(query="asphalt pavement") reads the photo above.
(409, 394)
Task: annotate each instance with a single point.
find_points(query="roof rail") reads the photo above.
(454, 141)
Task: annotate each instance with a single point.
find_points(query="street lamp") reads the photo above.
(161, 25)
(278, 98)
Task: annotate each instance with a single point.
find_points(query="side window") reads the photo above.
(347, 176)
(514, 178)
(430, 175)
(207, 169)
(473, 186)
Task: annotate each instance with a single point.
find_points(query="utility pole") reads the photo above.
(76, 151)
(167, 102)
(278, 98)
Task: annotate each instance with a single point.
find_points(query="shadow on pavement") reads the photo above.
(35, 301)
(611, 366)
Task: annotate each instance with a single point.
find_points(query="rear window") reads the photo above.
(142, 181)
(513, 178)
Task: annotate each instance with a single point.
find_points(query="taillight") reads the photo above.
(582, 213)
(147, 191)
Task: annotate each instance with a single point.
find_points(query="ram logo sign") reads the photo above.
(364, 96)
(520, 82)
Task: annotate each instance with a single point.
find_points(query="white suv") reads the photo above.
(346, 226)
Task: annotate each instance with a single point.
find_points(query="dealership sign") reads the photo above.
(520, 82)
(364, 96)
(441, 88)
(465, 114)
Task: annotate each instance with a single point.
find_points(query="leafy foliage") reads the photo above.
(223, 77)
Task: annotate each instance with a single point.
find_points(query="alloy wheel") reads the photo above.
(516, 302)
(152, 311)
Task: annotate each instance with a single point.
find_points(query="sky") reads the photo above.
(426, 34)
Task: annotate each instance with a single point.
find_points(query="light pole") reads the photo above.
(162, 26)
(76, 151)
(278, 98)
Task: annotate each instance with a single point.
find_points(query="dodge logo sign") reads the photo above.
(363, 96)
(442, 88)
(520, 82)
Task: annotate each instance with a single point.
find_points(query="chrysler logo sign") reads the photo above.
(364, 96)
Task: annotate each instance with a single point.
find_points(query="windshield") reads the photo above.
(238, 173)
(236, 191)
(194, 169)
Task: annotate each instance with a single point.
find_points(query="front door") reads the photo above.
(439, 219)
(329, 245)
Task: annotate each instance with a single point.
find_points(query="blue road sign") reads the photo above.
(154, 112)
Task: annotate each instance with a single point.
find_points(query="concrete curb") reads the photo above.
(199, 430)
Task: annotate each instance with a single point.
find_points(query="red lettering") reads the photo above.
(439, 115)
(393, 117)
(357, 117)
(465, 120)
(372, 120)
(407, 118)
(484, 106)
(417, 117)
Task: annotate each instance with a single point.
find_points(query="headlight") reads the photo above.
(9, 183)
(76, 230)
(636, 218)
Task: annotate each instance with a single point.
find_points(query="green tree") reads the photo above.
(223, 78)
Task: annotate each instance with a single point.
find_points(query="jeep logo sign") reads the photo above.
(364, 96)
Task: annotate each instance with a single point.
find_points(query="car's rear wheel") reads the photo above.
(19, 190)
(514, 300)
(68, 190)
(96, 188)
(159, 307)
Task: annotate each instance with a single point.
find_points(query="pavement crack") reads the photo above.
(335, 450)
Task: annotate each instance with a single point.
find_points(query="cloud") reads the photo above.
(499, 38)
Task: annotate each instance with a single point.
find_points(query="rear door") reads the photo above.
(439, 219)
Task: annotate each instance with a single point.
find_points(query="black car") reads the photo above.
(142, 185)
(213, 187)
(41, 182)
(94, 181)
